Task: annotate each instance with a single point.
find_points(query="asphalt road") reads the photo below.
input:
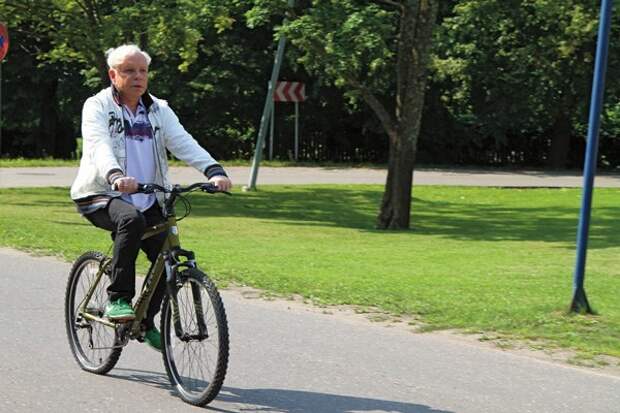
(284, 358)
(21, 177)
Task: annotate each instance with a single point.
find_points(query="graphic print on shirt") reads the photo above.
(140, 149)
(139, 130)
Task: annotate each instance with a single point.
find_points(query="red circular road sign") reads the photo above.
(4, 40)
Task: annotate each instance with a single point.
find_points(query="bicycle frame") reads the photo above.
(166, 262)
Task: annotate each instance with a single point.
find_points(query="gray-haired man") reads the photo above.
(126, 132)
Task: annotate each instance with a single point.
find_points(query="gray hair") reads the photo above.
(115, 56)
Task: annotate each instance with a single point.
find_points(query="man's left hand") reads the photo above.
(223, 183)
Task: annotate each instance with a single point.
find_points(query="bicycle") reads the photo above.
(193, 319)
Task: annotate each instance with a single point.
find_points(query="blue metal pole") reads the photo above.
(580, 301)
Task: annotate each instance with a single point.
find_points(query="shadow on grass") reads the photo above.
(83, 223)
(357, 208)
(280, 400)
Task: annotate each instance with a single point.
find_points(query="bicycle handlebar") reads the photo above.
(178, 189)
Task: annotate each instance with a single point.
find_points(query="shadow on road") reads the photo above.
(149, 378)
(281, 400)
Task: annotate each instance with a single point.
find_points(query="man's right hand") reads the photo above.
(127, 184)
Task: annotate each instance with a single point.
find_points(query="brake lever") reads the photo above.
(212, 189)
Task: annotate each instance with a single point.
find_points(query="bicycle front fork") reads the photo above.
(173, 283)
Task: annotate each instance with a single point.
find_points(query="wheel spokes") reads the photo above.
(92, 338)
(195, 360)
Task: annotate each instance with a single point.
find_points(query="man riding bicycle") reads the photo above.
(126, 132)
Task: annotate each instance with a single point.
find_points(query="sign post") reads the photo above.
(291, 92)
(273, 113)
(296, 130)
(4, 48)
(271, 116)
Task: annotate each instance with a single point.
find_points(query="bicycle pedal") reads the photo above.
(121, 320)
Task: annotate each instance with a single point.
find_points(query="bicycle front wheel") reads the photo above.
(195, 361)
(92, 343)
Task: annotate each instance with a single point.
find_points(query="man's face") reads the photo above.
(131, 76)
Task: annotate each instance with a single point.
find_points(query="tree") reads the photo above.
(80, 31)
(519, 67)
(57, 42)
(36, 94)
(377, 51)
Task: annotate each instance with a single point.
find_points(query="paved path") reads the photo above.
(284, 358)
(63, 176)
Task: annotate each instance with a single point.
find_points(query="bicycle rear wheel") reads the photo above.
(91, 343)
(196, 364)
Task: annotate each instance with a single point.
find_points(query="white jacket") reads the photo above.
(104, 157)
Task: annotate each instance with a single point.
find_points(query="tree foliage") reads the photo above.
(509, 81)
(520, 67)
(377, 52)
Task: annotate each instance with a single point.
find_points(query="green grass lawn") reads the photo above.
(485, 260)
(30, 163)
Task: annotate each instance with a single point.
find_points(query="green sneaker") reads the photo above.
(119, 310)
(152, 337)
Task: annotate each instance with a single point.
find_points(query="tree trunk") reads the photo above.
(396, 204)
(560, 141)
(414, 45)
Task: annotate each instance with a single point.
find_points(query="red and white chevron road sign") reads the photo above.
(289, 92)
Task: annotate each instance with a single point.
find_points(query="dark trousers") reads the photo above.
(128, 225)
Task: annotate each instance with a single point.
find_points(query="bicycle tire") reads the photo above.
(197, 391)
(101, 358)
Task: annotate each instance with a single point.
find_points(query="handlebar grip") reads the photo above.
(145, 188)
(212, 189)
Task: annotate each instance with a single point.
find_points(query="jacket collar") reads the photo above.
(147, 100)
